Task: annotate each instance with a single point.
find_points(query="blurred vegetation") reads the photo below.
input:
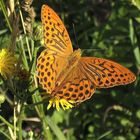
(103, 28)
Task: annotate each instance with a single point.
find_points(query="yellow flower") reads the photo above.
(55, 102)
(7, 63)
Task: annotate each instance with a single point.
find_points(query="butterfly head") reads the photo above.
(75, 55)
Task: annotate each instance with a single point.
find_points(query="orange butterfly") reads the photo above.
(65, 75)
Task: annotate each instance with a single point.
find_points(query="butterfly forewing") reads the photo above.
(105, 73)
(52, 60)
(55, 34)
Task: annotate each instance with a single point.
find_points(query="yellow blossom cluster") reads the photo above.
(7, 62)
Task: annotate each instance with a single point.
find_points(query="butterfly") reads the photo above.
(66, 76)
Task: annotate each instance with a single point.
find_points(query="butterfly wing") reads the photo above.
(53, 59)
(76, 87)
(55, 34)
(49, 66)
(105, 73)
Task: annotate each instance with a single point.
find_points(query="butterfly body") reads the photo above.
(72, 62)
(64, 74)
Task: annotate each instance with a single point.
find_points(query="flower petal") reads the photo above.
(55, 102)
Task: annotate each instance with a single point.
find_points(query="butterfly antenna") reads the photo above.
(95, 49)
(77, 46)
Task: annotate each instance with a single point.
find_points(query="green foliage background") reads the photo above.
(106, 29)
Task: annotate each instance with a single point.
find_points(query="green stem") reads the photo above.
(19, 122)
(6, 122)
(26, 38)
(5, 134)
(134, 42)
(105, 134)
(15, 118)
(57, 131)
(24, 55)
(15, 109)
(6, 97)
(5, 14)
(41, 114)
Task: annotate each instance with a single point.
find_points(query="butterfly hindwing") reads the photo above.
(49, 65)
(76, 87)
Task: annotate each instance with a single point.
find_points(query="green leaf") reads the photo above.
(136, 3)
(138, 114)
(55, 129)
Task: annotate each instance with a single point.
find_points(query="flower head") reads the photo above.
(7, 63)
(55, 102)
